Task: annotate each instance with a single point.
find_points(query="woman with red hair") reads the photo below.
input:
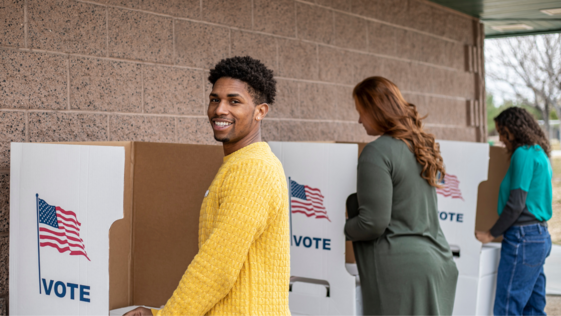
(404, 262)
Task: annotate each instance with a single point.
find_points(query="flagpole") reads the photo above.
(290, 206)
(38, 246)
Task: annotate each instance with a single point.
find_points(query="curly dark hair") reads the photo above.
(523, 127)
(260, 80)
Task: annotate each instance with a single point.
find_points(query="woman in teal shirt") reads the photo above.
(524, 209)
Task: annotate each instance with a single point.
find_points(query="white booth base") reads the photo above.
(475, 295)
(123, 310)
(307, 298)
(353, 270)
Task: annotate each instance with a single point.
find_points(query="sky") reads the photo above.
(531, 50)
(500, 91)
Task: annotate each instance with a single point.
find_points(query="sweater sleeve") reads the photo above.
(242, 217)
(374, 197)
(511, 212)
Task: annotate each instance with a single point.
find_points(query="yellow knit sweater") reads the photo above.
(243, 264)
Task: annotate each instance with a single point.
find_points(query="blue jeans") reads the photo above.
(520, 279)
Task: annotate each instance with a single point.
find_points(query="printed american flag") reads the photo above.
(60, 229)
(307, 200)
(450, 187)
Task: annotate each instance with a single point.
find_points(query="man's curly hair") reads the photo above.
(523, 127)
(260, 80)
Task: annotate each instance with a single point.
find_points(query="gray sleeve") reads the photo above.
(352, 206)
(513, 208)
(374, 199)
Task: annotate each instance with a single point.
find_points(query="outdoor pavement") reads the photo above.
(553, 271)
(553, 282)
(553, 305)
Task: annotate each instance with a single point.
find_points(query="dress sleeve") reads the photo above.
(352, 206)
(242, 217)
(374, 196)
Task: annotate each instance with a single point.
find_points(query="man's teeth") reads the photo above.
(222, 124)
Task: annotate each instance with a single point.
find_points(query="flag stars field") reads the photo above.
(60, 229)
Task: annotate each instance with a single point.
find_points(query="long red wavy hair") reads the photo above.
(394, 116)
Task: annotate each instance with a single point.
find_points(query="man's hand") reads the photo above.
(484, 237)
(139, 311)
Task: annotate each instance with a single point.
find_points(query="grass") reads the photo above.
(555, 144)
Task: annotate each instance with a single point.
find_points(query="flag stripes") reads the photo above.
(60, 229)
(450, 187)
(307, 200)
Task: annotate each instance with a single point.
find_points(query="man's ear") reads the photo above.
(261, 111)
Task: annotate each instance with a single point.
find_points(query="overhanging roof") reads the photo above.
(495, 13)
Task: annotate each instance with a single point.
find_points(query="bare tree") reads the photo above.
(531, 67)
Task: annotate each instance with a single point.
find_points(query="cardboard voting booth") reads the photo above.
(320, 176)
(468, 202)
(64, 199)
(467, 166)
(121, 209)
(114, 225)
(477, 263)
(480, 287)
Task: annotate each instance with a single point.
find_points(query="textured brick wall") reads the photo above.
(136, 69)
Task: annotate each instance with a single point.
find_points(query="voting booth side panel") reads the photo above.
(320, 177)
(349, 250)
(170, 182)
(16, 151)
(120, 234)
(488, 194)
(120, 240)
(466, 167)
(65, 200)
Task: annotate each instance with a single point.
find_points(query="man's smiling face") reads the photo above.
(231, 111)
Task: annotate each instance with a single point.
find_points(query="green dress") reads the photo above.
(404, 261)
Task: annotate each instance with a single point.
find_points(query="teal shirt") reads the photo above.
(531, 172)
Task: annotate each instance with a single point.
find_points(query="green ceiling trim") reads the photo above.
(501, 12)
(522, 34)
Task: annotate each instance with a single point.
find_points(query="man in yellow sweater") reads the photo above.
(243, 264)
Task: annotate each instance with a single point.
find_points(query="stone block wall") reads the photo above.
(100, 70)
